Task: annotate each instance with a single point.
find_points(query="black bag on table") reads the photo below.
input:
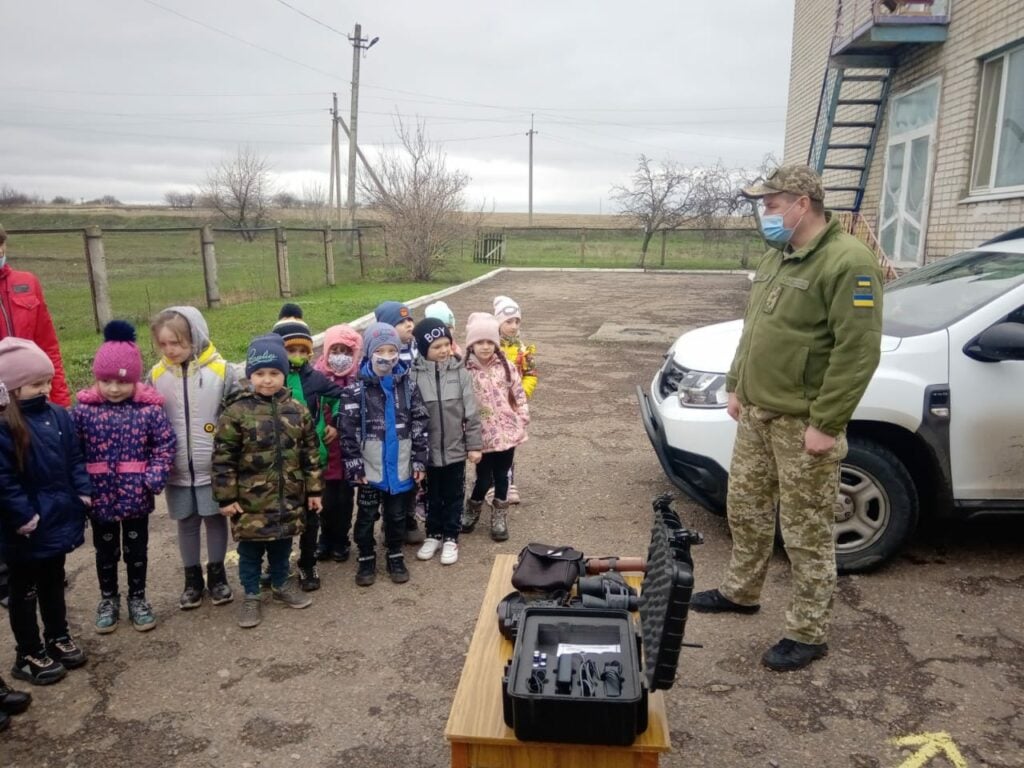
(543, 569)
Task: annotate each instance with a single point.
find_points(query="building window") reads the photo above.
(999, 143)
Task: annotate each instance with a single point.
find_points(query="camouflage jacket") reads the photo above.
(266, 457)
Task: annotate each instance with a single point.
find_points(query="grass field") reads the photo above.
(148, 271)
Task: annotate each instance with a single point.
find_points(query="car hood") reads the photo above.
(712, 347)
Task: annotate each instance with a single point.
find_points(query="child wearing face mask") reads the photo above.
(339, 362)
(129, 450)
(504, 416)
(44, 494)
(310, 387)
(397, 315)
(194, 380)
(383, 427)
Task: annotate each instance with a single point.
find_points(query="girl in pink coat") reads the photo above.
(504, 416)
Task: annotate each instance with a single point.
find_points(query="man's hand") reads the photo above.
(475, 456)
(817, 442)
(314, 503)
(234, 508)
(735, 407)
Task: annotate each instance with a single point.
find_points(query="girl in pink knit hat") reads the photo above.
(504, 416)
(44, 494)
(129, 449)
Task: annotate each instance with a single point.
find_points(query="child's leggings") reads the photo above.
(37, 583)
(216, 538)
(493, 470)
(392, 512)
(109, 539)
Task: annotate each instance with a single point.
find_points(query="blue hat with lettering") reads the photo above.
(266, 352)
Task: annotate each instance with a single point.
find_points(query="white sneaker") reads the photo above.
(513, 495)
(428, 549)
(449, 552)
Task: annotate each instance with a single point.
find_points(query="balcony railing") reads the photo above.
(879, 26)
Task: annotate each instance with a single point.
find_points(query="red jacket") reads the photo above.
(23, 313)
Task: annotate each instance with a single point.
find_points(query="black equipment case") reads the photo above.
(582, 675)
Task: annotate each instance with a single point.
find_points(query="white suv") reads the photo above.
(939, 431)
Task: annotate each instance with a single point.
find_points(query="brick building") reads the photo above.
(914, 112)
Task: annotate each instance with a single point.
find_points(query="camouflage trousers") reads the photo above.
(769, 467)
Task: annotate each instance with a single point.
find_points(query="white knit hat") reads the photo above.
(505, 309)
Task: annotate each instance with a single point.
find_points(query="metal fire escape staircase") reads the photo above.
(850, 111)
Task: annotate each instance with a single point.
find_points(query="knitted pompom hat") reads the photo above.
(292, 328)
(118, 357)
(441, 311)
(23, 362)
(505, 309)
(481, 327)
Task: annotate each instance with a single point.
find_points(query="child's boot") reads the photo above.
(291, 595)
(66, 652)
(396, 568)
(217, 584)
(309, 579)
(367, 573)
(499, 520)
(192, 595)
(13, 702)
(38, 669)
(141, 613)
(471, 514)
(251, 612)
(108, 613)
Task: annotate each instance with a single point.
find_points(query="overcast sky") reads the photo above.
(130, 98)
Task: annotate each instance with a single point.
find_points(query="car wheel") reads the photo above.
(877, 507)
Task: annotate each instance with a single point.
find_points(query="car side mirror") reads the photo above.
(1002, 341)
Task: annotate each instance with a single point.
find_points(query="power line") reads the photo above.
(219, 31)
(313, 19)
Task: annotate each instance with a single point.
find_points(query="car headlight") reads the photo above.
(699, 389)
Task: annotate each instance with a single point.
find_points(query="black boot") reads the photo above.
(217, 584)
(367, 573)
(13, 702)
(192, 596)
(396, 568)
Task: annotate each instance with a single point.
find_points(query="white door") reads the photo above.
(908, 170)
(986, 429)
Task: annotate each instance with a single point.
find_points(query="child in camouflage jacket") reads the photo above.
(266, 469)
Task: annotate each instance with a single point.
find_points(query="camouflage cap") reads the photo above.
(794, 179)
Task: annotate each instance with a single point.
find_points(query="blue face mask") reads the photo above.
(775, 231)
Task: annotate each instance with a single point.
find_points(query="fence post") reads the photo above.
(664, 236)
(329, 255)
(284, 279)
(209, 254)
(96, 264)
(362, 262)
(583, 246)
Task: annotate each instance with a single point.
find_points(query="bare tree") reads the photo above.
(670, 195)
(287, 199)
(316, 204)
(240, 189)
(420, 199)
(176, 199)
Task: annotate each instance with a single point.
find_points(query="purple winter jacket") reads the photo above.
(129, 449)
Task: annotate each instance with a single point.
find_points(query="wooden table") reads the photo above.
(476, 726)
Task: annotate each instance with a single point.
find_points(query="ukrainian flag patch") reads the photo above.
(864, 295)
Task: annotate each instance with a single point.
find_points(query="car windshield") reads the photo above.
(936, 296)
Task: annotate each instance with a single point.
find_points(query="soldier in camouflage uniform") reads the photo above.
(810, 344)
(266, 469)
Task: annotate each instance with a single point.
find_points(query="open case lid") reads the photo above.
(665, 594)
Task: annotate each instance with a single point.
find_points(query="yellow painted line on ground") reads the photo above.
(930, 745)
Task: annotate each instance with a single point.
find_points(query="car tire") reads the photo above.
(877, 507)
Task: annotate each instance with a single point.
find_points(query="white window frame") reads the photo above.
(990, 188)
(906, 138)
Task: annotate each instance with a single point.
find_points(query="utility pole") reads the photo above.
(336, 160)
(530, 133)
(359, 44)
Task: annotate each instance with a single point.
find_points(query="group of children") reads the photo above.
(293, 449)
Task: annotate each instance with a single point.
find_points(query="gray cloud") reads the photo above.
(128, 98)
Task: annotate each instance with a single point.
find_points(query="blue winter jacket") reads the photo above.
(382, 424)
(50, 486)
